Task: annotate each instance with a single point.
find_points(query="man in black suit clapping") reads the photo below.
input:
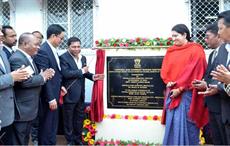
(27, 92)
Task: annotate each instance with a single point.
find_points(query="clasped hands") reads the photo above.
(174, 92)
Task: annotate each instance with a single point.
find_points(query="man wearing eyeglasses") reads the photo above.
(47, 57)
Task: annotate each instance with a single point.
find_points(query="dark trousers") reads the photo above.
(35, 125)
(22, 132)
(34, 129)
(48, 123)
(227, 130)
(6, 135)
(217, 128)
(73, 114)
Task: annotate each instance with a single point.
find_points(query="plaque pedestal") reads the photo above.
(133, 96)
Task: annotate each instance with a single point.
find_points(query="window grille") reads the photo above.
(204, 12)
(226, 4)
(4, 13)
(75, 16)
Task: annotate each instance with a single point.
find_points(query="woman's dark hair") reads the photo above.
(182, 29)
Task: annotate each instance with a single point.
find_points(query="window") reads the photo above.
(226, 4)
(4, 13)
(204, 12)
(76, 16)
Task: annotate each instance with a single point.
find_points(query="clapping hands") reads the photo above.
(47, 74)
(20, 74)
(221, 74)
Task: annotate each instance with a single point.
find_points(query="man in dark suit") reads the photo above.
(35, 123)
(9, 40)
(213, 102)
(7, 80)
(47, 57)
(27, 92)
(74, 71)
(224, 59)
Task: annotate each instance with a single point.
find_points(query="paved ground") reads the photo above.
(60, 140)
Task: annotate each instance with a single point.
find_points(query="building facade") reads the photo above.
(94, 19)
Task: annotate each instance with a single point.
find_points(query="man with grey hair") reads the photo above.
(27, 92)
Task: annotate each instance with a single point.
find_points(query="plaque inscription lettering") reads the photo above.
(134, 82)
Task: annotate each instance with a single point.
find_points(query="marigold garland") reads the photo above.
(132, 117)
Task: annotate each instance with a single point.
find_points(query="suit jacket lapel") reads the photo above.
(222, 56)
(210, 64)
(5, 61)
(72, 61)
(33, 66)
(51, 55)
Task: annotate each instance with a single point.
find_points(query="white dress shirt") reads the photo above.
(11, 50)
(54, 50)
(78, 62)
(28, 57)
(2, 64)
(215, 52)
(228, 49)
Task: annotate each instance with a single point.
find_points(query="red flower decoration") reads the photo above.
(121, 45)
(135, 117)
(113, 116)
(155, 117)
(168, 43)
(126, 116)
(170, 39)
(87, 109)
(106, 41)
(131, 40)
(124, 42)
(138, 39)
(144, 39)
(145, 117)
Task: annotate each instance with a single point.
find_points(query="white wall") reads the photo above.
(114, 18)
(119, 19)
(28, 16)
(138, 18)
